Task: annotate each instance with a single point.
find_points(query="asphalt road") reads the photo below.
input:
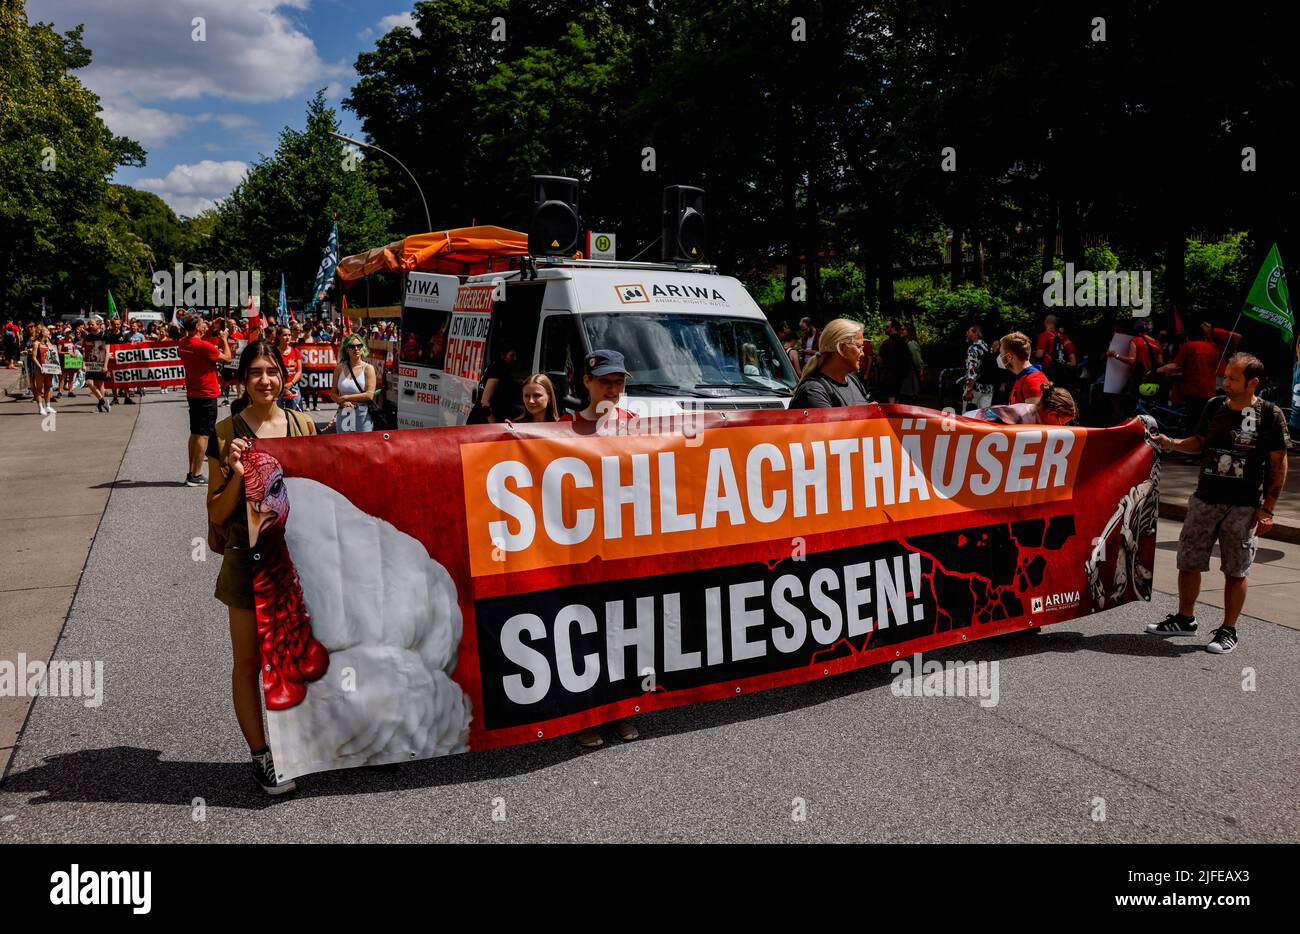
(1094, 718)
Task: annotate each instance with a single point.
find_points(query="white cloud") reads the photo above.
(392, 21)
(193, 188)
(147, 125)
(254, 51)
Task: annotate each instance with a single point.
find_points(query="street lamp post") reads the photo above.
(356, 142)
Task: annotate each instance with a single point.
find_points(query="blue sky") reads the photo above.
(205, 110)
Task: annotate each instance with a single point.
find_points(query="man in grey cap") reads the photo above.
(605, 379)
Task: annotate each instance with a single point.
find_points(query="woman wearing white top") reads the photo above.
(354, 387)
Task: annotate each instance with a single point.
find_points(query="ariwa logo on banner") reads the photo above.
(532, 582)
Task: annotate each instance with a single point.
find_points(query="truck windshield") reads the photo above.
(693, 352)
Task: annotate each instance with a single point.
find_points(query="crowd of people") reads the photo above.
(1132, 368)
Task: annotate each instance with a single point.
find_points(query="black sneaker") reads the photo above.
(130, 401)
(1175, 624)
(1224, 641)
(264, 772)
(194, 479)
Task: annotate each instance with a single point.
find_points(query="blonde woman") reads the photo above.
(354, 387)
(539, 400)
(830, 378)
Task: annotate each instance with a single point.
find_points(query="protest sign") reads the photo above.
(145, 363)
(318, 364)
(529, 582)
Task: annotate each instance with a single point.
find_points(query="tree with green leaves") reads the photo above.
(64, 230)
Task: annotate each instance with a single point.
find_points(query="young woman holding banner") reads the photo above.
(262, 373)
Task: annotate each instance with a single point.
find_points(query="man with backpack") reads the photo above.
(1243, 442)
(1145, 356)
(1053, 351)
(978, 392)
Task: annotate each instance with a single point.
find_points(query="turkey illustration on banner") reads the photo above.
(485, 619)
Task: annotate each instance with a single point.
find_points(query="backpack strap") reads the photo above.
(300, 423)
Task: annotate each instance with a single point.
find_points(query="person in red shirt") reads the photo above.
(1225, 342)
(1196, 362)
(1144, 351)
(202, 388)
(1046, 343)
(1013, 355)
(292, 398)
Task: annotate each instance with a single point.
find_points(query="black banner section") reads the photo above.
(566, 650)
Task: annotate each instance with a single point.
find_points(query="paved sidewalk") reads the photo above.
(1274, 592)
(56, 476)
(1178, 482)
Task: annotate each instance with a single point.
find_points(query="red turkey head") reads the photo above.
(268, 500)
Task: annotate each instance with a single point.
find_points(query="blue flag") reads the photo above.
(328, 263)
(282, 310)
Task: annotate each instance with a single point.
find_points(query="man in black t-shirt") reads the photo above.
(1243, 440)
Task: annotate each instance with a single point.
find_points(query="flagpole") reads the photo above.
(428, 224)
(1224, 352)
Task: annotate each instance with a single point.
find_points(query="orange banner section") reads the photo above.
(545, 502)
(319, 356)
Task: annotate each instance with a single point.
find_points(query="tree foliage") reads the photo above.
(65, 233)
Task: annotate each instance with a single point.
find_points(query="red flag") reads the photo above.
(1178, 321)
(254, 319)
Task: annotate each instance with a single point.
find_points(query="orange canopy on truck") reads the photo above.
(464, 251)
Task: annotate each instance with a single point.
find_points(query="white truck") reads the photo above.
(693, 340)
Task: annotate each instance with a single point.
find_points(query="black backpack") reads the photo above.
(987, 371)
(1059, 357)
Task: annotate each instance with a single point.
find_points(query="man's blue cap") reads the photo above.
(605, 362)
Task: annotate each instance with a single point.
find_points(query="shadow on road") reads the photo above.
(125, 774)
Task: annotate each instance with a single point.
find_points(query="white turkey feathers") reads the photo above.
(388, 615)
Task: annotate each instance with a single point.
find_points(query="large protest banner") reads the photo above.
(528, 582)
(318, 364)
(145, 363)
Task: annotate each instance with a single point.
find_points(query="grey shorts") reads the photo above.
(1233, 527)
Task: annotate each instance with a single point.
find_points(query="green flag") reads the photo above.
(112, 306)
(1268, 300)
